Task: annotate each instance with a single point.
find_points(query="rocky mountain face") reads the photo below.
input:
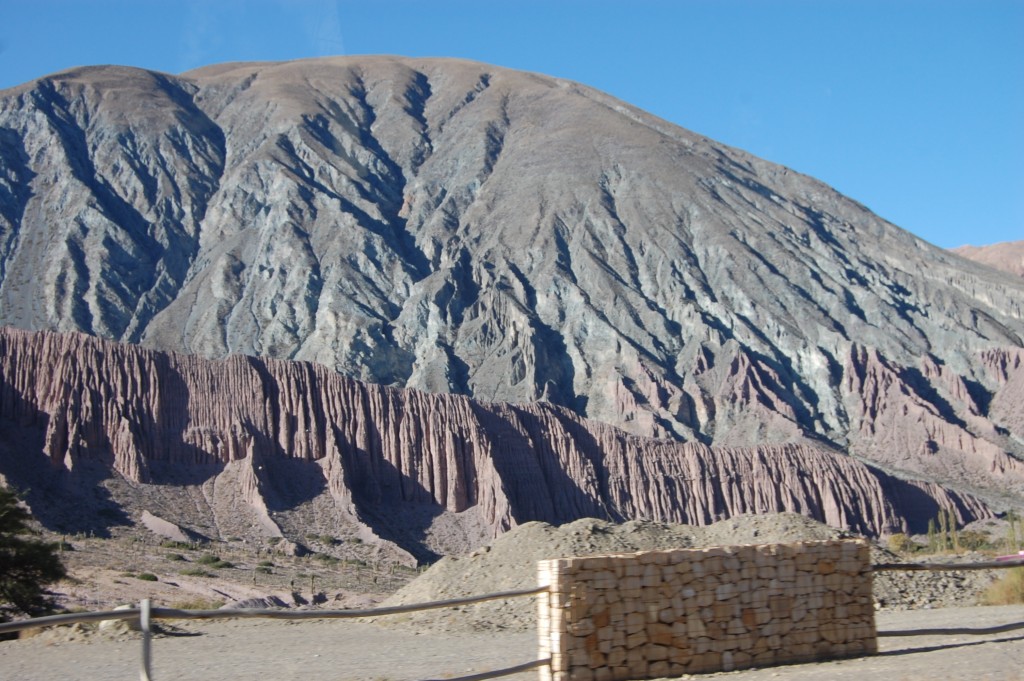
(1007, 256)
(464, 229)
(247, 441)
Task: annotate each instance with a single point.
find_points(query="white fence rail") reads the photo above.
(950, 567)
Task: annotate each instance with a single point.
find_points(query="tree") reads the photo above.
(27, 564)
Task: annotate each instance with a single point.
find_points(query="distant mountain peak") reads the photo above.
(1007, 256)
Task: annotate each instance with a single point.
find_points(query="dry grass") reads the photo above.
(1008, 590)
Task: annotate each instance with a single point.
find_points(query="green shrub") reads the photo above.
(175, 556)
(27, 564)
(147, 577)
(266, 563)
(195, 572)
(213, 561)
(169, 544)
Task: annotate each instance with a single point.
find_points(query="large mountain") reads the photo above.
(461, 228)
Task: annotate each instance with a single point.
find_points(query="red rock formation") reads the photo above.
(911, 419)
(1006, 367)
(157, 418)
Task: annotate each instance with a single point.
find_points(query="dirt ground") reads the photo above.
(449, 643)
(343, 650)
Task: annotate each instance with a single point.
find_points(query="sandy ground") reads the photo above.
(341, 650)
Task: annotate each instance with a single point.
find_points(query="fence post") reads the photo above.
(146, 640)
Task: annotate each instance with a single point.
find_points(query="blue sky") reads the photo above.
(914, 108)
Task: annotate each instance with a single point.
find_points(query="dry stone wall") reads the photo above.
(667, 613)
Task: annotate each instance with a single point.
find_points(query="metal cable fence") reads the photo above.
(146, 613)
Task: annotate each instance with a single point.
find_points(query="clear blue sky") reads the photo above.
(914, 108)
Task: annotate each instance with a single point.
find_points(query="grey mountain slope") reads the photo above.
(456, 227)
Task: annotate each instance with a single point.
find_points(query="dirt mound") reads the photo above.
(509, 563)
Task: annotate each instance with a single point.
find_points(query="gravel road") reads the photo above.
(341, 650)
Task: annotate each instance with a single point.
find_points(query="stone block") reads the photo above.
(724, 592)
(634, 622)
(636, 640)
(781, 606)
(659, 669)
(656, 653)
(725, 611)
(578, 658)
(736, 627)
(660, 634)
(581, 674)
(706, 662)
(582, 627)
(701, 645)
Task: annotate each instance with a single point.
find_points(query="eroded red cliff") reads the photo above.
(160, 419)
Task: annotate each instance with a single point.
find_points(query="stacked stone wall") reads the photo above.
(668, 613)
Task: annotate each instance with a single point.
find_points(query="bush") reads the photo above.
(901, 543)
(195, 572)
(214, 561)
(972, 540)
(175, 556)
(1008, 590)
(27, 565)
(147, 577)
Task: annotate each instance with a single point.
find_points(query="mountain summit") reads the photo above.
(461, 228)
